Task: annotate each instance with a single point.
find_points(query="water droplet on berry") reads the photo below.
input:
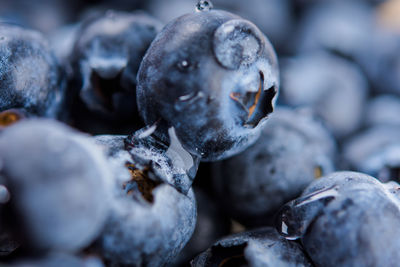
(178, 155)
(293, 218)
(204, 5)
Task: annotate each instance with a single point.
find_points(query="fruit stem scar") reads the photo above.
(144, 184)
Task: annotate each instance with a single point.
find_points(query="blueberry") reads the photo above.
(30, 78)
(57, 179)
(333, 87)
(150, 221)
(341, 27)
(259, 247)
(346, 219)
(106, 58)
(293, 150)
(213, 77)
(376, 152)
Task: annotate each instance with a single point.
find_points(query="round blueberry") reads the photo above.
(30, 78)
(150, 221)
(294, 149)
(347, 219)
(333, 87)
(212, 76)
(57, 179)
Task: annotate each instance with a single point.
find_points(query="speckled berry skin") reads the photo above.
(347, 208)
(30, 77)
(256, 248)
(212, 76)
(293, 150)
(57, 180)
(142, 231)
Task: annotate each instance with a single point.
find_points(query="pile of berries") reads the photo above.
(125, 141)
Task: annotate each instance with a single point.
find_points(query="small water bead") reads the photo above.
(204, 5)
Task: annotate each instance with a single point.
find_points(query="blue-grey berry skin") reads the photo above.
(213, 76)
(57, 180)
(346, 219)
(256, 248)
(150, 221)
(376, 152)
(383, 110)
(30, 78)
(333, 87)
(294, 149)
(105, 60)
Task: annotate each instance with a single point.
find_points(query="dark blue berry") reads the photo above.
(57, 179)
(293, 150)
(347, 208)
(30, 78)
(213, 77)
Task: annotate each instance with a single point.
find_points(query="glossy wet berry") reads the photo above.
(376, 152)
(294, 149)
(150, 221)
(106, 57)
(57, 179)
(347, 219)
(259, 247)
(213, 77)
(30, 77)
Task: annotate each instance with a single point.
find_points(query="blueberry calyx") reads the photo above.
(257, 104)
(140, 181)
